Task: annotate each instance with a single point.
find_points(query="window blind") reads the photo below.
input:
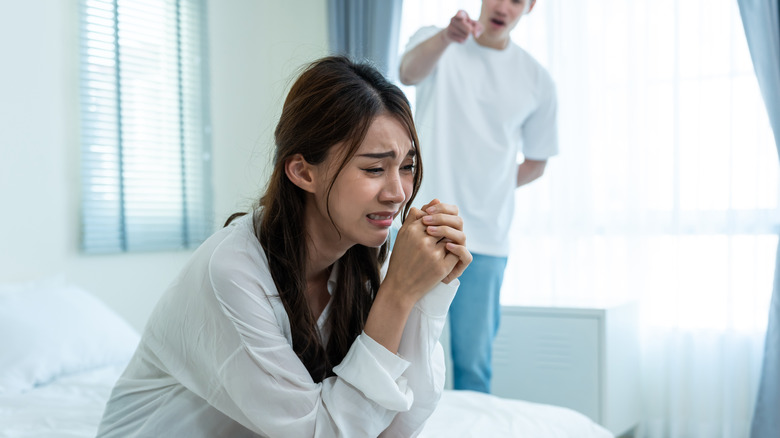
(145, 125)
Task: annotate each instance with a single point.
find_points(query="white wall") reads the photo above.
(255, 48)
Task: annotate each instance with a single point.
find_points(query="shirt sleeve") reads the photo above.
(540, 129)
(263, 385)
(421, 35)
(420, 346)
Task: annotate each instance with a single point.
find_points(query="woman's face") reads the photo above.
(372, 188)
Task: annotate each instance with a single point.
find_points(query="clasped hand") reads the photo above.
(430, 248)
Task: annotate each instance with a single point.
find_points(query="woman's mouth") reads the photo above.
(383, 220)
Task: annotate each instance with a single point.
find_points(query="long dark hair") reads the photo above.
(334, 101)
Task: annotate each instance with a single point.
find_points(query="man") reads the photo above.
(480, 101)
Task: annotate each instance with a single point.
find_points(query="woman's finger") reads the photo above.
(441, 207)
(425, 207)
(449, 233)
(442, 219)
(414, 215)
(464, 258)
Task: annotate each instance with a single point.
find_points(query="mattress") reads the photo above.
(72, 405)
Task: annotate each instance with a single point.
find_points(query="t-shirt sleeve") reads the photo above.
(421, 35)
(540, 129)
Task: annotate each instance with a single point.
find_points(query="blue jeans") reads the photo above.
(474, 318)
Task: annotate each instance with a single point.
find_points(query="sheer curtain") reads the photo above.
(665, 191)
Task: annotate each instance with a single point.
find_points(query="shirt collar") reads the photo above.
(334, 276)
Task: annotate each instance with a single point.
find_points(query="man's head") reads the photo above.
(499, 17)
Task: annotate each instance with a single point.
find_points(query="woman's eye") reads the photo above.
(373, 170)
(408, 168)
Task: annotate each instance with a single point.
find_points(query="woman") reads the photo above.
(282, 324)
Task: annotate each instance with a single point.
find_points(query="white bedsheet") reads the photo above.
(473, 414)
(72, 406)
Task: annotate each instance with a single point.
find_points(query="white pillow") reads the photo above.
(48, 329)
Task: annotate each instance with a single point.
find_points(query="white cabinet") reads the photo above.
(586, 359)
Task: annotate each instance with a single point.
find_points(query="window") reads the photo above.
(666, 186)
(145, 125)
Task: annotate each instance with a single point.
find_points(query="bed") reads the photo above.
(62, 349)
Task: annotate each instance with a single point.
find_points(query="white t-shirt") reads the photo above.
(477, 109)
(216, 359)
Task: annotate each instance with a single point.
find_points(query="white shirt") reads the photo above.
(474, 112)
(216, 359)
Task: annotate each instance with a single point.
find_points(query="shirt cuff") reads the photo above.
(377, 373)
(436, 302)
(394, 364)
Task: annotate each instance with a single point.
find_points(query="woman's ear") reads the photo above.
(300, 172)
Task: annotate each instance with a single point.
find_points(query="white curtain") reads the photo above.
(761, 20)
(665, 191)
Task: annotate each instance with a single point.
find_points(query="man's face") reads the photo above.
(499, 17)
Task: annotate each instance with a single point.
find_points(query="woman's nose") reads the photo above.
(393, 191)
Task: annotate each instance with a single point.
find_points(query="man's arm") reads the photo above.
(418, 63)
(530, 170)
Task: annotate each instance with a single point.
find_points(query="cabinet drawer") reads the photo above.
(549, 359)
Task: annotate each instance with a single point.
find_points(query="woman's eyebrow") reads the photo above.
(390, 154)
